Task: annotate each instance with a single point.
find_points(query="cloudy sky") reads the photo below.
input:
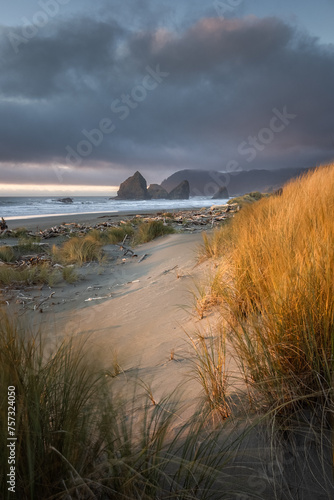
(91, 91)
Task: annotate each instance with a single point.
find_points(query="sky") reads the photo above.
(91, 91)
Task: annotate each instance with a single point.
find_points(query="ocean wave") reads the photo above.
(35, 207)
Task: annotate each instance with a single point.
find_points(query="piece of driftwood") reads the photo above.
(3, 225)
(98, 298)
(37, 306)
(169, 270)
(125, 249)
(142, 257)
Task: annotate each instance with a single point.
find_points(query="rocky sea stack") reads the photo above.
(157, 192)
(221, 194)
(65, 200)
(135, 188)
(181, 192)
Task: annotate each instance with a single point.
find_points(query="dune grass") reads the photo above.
(148, 231)
(70, 275)
(77, 439)
(279, 293)
(34, 275)
(211, 371)
(7, 253)
(215, 243)
(88, 248)
(112, 235)
(19, 232)
(248, 198)
(25, 246)
(78, 250)
(28, 244)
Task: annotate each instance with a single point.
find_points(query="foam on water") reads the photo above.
(29, 207)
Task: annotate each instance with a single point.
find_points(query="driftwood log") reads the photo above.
(126, 249)
(3, 225)
(142, 257)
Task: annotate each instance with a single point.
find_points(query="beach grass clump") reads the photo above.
(69, 274)
(248, 198)
(211, 371)
(117, 234)
(76, 439)
(28, 244)
(148, 231)
(28, 275)
(7, 253)
(112, 235)
(280, 291)
(216, 243)
(19, 232)
(78, 250)
(54, 397)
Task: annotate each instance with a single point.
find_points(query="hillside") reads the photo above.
(206, 183)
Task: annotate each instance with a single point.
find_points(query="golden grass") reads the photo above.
(112, 235)
(280, 291)
(78, 250)
(211, 371)
(215, 243)
(148, 231)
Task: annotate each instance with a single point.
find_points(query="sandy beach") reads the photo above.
(140, 312)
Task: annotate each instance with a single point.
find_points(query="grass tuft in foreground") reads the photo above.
(211, 371)
(76, 440)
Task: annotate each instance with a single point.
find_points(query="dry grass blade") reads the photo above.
(211, 371)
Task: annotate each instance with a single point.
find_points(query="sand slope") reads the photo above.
(143, 322)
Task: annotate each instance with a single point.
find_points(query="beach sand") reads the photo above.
(140, 312)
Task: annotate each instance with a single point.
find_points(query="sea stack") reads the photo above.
(181, 192)
(65, 200)
(221, 194)
(157, 192)
(133, 188)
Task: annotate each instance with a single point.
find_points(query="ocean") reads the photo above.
(29, 207)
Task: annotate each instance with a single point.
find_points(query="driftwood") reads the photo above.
(169, 270)
(142, 257)
(125, 248)
(98, 298)
(37, 306)
(33, 260)
(3, 225)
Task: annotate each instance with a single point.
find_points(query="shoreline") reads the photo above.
(91, 218)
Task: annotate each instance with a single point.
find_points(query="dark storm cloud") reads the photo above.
(225, 77)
